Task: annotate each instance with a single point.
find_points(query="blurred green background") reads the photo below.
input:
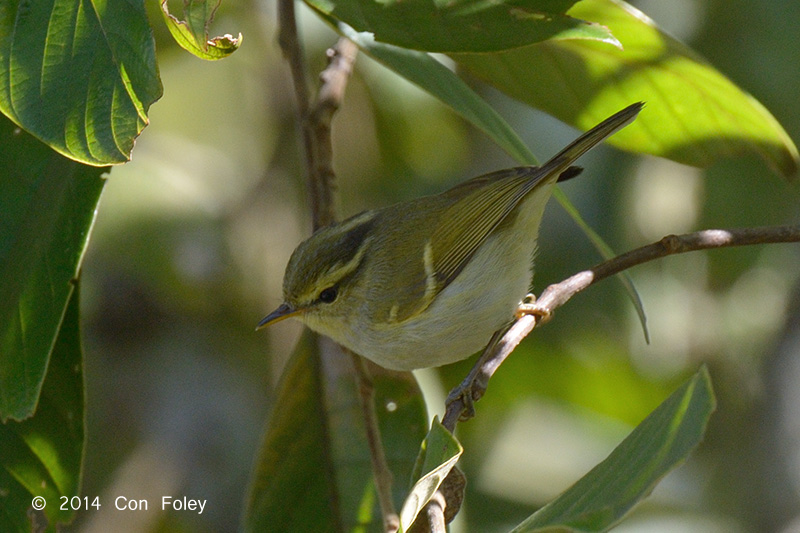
(192, 237)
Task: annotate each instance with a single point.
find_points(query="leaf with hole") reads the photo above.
(192, 33)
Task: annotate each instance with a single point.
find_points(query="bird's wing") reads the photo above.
(480, 205)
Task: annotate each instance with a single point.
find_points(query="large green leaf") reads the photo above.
(462, 26)
(664, 440)
(694, 115)
(42, 455)
(313, 472)
(292, 487)
(78, 74)
(47, 206)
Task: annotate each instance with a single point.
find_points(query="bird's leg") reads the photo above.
(460, 402)
(530, 306)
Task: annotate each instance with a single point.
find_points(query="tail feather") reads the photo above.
(563, 159)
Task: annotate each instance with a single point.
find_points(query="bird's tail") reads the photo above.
(563, 159)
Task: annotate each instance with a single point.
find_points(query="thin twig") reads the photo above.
(289, 41)
(380, 467)
(432, 517)
(322, 184)
(316, 119)
(459, 403)
(318, 129)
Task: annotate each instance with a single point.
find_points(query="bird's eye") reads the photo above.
(328, 295)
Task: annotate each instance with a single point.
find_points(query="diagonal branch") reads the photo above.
(460, 400)
(557, 295)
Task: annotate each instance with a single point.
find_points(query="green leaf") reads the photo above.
(403, 419)
(462, 26)
(439, 454)
(42, 455)
(192, 34)
(47, 206)
(292, 488)
(606, 253)
(694, 114)
(313, 472)
(664, 440)
(432, 76)
(80, 75)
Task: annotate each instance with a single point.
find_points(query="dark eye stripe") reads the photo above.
(354, 238)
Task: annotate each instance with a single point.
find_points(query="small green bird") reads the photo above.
(427, 282)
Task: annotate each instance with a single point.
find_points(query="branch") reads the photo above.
(322, 184)
(460, 400)
(316, 122)
(289, 42)
(380, 467)
(557, 295)
(316, 117)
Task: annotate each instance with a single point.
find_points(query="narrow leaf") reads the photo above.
(292, 488)
(432, 76)
(462, 25)
(439, 454)
(695, 115)
(606, 253)
(42, 455)
(47, 206)
(663, 441)
(80, 77)
(192, 34)
(313, 472)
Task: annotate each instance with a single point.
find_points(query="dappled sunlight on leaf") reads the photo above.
(695, 115)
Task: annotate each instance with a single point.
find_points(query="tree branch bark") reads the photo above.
(316, 118)
(380, 467)
(460, 400)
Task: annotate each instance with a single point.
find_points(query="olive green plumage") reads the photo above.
(426, 282)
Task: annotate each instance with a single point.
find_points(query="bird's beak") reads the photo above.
(283, 311)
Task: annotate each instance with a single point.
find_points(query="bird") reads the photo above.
(426, 282)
